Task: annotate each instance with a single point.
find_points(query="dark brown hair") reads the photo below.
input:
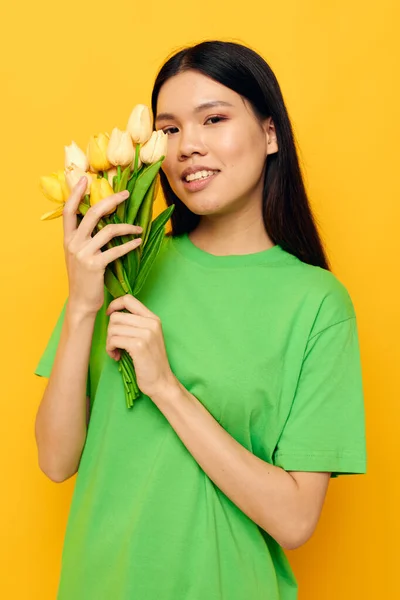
(287, 214)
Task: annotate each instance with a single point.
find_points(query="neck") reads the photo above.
(223, 239)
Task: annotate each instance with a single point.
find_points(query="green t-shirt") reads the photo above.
(269, 345)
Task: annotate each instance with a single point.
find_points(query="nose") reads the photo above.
(191, 142)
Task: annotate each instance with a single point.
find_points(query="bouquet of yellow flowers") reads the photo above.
(126, 160)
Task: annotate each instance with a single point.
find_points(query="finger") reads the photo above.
(109, 255)
(132, 304)
(112, 349)
(120, 342)
(128, 319)
(95, 213)
(70, 218)
(114, 354)
(129, 331)
(108, 233)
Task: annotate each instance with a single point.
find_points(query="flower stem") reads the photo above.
(131, 372)
(129, 378)
(137, 149)
(117, 263)
(128, 393)
(119, 270)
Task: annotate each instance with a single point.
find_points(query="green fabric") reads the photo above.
(269, 345)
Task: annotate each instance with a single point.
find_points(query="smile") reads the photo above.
(201, 182)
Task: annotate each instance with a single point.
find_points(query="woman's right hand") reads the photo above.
(85, 261)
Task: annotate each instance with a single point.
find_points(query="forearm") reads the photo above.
(61, 421)
(265, 493)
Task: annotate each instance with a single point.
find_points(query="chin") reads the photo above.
(205, 206)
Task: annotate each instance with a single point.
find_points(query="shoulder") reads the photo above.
(335, 304)
(328, 295)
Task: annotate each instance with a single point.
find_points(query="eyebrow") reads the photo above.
(197, 109)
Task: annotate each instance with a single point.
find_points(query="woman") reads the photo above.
(246, 352)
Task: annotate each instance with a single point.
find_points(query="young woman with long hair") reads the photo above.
(246, 351)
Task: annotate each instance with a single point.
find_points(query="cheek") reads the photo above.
(242, 161)
(226, 147)
(239, 146)
(167, 166)
(169, 173)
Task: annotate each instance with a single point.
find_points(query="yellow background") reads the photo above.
(72, 69)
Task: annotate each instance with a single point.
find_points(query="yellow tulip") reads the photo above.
(53, 214)
(120, 149)
(155, 148)
(140, 124)
(100, 189)
(74, 155)
(73, 175)
(55, 188)
(92, 175)
(97, 152)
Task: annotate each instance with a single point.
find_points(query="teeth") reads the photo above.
(199, 175)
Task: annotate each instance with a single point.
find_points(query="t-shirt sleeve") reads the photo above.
(45, 364)
(325, 428)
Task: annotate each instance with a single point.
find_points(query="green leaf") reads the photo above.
(146, 211)
(142, 184)
(121, 185)
(121, 275)
(152, 248)
(131, 259)
(132, 265)
(112, 283)
(117, 265)
(121, 211)
(131, 183)
(124, 179)
(159, 222)
(134, 176)
(148, 259)
(83, 208)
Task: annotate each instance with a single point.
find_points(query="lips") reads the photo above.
(195, 169)
(199, 184)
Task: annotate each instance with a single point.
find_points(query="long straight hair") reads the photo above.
(286, 211)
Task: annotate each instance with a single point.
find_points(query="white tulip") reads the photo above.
(74, 155)
(120, 149)
(140, 124)
(73, 173)
(155, 148)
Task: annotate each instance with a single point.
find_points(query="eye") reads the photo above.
(219, 118)
(167, 129)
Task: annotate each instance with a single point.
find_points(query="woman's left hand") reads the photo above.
(139, 332)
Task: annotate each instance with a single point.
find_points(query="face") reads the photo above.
(225, 137)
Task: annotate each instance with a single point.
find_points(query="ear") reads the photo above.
(270, 136)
